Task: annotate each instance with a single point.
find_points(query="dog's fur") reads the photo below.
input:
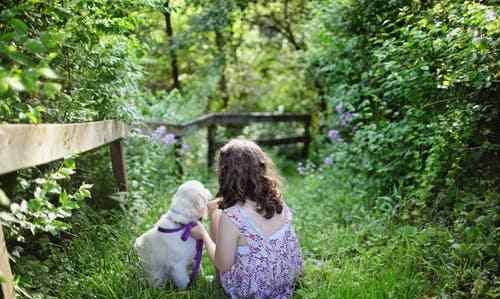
(165, 255)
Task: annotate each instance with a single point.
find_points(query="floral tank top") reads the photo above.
(268, 266)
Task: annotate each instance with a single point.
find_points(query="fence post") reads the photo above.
(211, 134)
(7, 288)
(118, 163)
(307, 139)
(179, 171)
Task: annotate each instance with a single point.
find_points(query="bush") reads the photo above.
(412, 117)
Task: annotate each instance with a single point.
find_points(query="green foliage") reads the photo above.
(47, 206)
(68, 61)
(105, 236)
(419, 79)
(405, 203)
(345, 258)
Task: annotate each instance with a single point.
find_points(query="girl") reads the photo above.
(252, 242)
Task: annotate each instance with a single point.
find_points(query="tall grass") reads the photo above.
(348, 253)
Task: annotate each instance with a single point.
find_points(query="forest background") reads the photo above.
(405, 103)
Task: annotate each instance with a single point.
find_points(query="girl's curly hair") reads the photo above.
(247, 173)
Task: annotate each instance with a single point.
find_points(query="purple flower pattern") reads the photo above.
(334, 135)
(345, 119)
(161, 135)
(270, 267)
(169, 139)
(159, 132)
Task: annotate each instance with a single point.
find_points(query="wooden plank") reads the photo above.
(178, 130)
(214, 119)
(182, 129)
(118, 164)
(23, 146)
(7, 289)
(229, 118)
(237, 118)
(281, 141)
(273, 142)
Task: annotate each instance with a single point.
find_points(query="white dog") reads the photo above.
(162, 252)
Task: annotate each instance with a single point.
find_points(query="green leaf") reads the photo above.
(47, 73)
(14, 83)
(19, 26)
(4, 200)
(34, 46)
(64, 199)
(51, 89)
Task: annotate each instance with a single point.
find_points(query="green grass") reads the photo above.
(348, 254)
(362, 259)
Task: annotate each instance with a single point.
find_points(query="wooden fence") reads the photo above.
(211, 121)
(23, 146)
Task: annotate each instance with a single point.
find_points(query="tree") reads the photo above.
(280, 17)
(176, 84)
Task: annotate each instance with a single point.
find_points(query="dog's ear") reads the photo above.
(200, 206)
(201, 203)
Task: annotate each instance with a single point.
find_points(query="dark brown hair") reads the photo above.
(247, 173)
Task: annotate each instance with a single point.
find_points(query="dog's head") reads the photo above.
(189, 202)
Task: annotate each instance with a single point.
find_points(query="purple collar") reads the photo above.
(186, 228)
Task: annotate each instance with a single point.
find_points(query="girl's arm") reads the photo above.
(222, 255)
(227, 243)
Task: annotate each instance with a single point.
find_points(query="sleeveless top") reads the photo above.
(267, 267)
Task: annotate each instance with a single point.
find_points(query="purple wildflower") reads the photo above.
(159, 132)
(334, 135)
(345, 119)
(328, 160)
(339, 108)
(169, 139)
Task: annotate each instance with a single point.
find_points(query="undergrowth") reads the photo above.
(349, 252)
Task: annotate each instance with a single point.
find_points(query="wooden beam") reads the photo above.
(229, 118)
(273, 142)
(6, 289)
(23, 146)
(246, 118)
(214, 119)
(281, 141)
(178, 130)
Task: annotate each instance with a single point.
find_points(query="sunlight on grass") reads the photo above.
(100, 262)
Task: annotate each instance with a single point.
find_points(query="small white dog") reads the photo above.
(162, 252)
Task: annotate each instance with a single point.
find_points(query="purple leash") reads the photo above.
(199, 246)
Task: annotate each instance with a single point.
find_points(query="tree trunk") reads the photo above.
(220, 42)
(288, 28)
(176, 84)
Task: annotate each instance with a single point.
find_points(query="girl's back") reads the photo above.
(269, 262)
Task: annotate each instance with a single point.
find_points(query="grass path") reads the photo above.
(341, 258)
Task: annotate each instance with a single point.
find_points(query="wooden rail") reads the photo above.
(211, 121)
(23, 146)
